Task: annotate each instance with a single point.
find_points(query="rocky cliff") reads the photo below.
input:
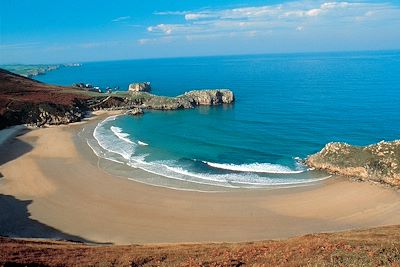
(378, 163)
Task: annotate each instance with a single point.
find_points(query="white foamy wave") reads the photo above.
(227, 180)
(120, 134)
(108, 141)
(111, 141)
(254, 167)
(142, 143)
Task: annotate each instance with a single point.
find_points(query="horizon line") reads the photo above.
(211, 55)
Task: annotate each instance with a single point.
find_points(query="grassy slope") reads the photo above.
(29, 70)
(373, 247)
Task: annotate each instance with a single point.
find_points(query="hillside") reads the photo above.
(373, 247)
(24, 100)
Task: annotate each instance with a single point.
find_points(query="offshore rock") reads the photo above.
(188, 100)
(210, 97)
(378, 163)
(140, 87)
(134, 112)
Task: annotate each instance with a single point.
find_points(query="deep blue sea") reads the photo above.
(287, 107)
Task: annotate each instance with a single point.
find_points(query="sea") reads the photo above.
(287, 107)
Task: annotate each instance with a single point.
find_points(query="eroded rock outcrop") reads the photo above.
(140, 87)
(135, 112)
(210, 97)
(376, 163)
(188, 100)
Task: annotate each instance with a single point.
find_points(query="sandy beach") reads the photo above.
(49, 188)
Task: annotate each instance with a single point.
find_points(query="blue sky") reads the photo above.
(45, 31)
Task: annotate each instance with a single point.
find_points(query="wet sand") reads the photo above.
(64, 189)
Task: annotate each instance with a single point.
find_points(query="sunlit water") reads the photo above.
(287, 107)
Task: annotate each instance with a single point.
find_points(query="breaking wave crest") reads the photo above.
(254, 167)
(120, 145)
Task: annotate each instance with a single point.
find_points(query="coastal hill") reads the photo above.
(378, 163)
(373, 247)
(27, 101)
(24, 100)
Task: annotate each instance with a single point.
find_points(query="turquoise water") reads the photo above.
(288, 106)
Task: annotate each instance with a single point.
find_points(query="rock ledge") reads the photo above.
(379, 163)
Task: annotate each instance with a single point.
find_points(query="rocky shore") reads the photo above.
(27, 101)
(378, 163)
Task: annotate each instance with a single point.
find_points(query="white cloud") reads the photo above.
(256, 20)
(170, 13)
(313, 12)
(121, 19)
(19, 45)
(164, 28)
(196, 16)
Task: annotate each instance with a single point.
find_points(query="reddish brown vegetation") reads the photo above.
(22, 100)
(373, 247)
(16, 88)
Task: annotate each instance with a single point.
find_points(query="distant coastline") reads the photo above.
(36, 69)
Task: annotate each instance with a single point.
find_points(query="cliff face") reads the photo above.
(376, 163)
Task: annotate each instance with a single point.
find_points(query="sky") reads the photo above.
(48, 31)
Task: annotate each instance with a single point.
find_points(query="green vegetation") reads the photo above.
(30, 70)
(376, 163)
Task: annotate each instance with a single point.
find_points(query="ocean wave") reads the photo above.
(112, 141)
(227, 180)
(120, 134)
(109, 143)
(142, 143)
(254, 167)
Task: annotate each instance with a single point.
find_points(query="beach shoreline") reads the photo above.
(68, 192)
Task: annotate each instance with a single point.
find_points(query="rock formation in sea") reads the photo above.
(139, 87)
(134, 112)
(378, 163)
(188, 100)
(209, 97)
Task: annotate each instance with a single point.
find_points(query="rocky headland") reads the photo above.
(27, 101)
(377, 163)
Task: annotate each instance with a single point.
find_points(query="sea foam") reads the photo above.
(120, 145)
(142, 143)
(254, 167)
(113, 139)
(120, 134)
